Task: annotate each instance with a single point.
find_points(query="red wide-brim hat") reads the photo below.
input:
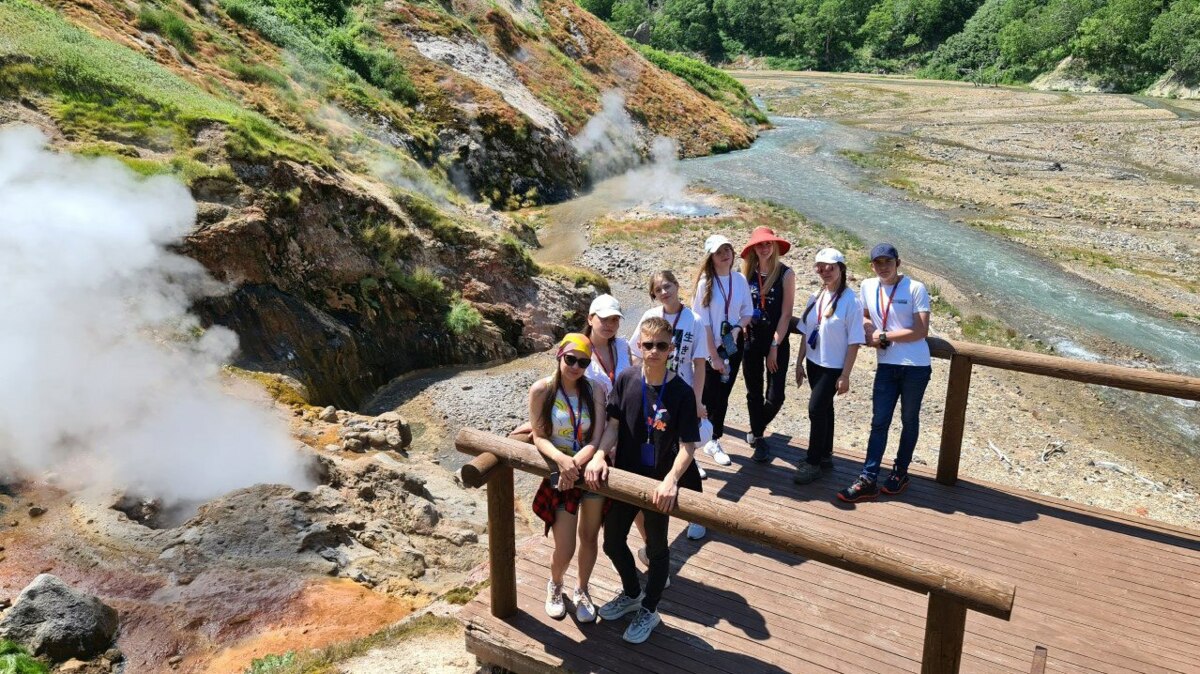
(761, 234)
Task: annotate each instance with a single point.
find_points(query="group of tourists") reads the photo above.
(644, 403)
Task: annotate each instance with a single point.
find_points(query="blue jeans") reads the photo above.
(906, 384)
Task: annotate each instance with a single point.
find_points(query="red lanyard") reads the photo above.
(576, 420)
(820, 307)
(762, 293)
(611, 374)
(728, 296)
(879, 308)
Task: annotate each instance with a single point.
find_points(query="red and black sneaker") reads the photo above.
(895, 483)
(862, 490)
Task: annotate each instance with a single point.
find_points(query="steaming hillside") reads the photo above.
(350, 161)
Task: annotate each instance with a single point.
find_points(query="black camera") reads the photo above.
(884, 342)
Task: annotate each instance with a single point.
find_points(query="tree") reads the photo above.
(628, 14)
(690, 26)
(1175, 39)
(1113, 41)
(601, 8)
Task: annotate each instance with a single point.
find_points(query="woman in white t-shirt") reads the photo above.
(687, 359)
(833, 330)
(896, 320)
(610, 353)
(723, 301)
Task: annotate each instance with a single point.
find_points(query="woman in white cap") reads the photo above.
(723, 301)
(610, 353)
(833, 330)
(772, 293)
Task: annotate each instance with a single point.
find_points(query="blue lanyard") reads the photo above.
(576, 420)
(657, 404)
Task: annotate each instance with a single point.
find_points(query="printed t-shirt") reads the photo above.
(689, 340)
(602, 360)
(836, 333)
(675, 422)
(910, 299)
(562, 429)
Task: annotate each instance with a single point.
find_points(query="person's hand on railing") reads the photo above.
(596, 473)
(664, 495)
(568, 472)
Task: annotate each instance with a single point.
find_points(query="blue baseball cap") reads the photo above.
(884, 250)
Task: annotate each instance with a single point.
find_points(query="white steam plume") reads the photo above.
(105, 378)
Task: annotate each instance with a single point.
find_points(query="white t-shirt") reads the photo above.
(740, 304)
(836, 333)
(689, 338)
(910, 299)
(596, 371)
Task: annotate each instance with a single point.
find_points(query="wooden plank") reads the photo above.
(957, 392)
(986, 595)
(502, 543)
(1133, 379)
(945, 622)
(1039, 661)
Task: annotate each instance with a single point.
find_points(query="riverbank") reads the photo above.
(1105, 186)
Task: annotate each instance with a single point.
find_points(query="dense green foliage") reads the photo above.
(16, 660)
(1122, 44)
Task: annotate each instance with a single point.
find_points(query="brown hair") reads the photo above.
(707, 271)
(832, 307)
(658, 277)
(545, 425)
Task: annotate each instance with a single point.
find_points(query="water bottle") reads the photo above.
(725, 374)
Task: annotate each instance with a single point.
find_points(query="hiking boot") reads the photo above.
(696, 531)
(621, 605)
(895, 483)
(761, 453)
(555, 608)
(861, 490)
(806, 473)
(714, 450)
(642, 625)
(585, 610)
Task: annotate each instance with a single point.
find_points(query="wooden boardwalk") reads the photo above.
(1101, 591)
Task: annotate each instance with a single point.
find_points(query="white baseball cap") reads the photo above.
(713, 243)
(705, 431)
(605, 306)
(830, 256)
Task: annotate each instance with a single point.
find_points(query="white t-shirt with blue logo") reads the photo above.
(909, 300)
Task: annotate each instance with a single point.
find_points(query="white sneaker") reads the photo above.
(620, 605)
(641, 626)
(713, 449)
(585, 610)
(703, 473)
(555, 608)
(696, 531)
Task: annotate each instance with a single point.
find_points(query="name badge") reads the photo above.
(648, 454)
(758, 314)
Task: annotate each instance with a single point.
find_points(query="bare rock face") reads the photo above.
(53, 620)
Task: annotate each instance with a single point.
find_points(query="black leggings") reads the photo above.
(823, 384)
(716, 393)
(616, 533)
(763, 410)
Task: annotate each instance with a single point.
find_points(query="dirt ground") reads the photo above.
(1107, 186)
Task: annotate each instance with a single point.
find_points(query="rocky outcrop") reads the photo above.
(53, 620)
(1172, 85)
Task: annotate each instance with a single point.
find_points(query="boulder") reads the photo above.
(53, 620)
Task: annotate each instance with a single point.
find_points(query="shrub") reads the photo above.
(463, 317)
(169, 25)
(423, 287)
(256, 73)
(271, 664)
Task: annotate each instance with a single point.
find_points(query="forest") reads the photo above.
(1119, 45)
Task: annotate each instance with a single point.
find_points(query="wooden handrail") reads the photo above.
(1117, 376)
(976, 592)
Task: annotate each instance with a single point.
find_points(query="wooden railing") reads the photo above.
(951, 591)
(963, 356)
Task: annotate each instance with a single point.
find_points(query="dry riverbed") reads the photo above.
(1107, 186)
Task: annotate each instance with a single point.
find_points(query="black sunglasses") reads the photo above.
(651, 346)
(572, 361)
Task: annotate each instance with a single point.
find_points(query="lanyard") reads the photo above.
(821, 307)
(657, 404)
(879, 308)
(611, 374)
(576, 420)
(726, 296)
(678, 354)
(762, 292)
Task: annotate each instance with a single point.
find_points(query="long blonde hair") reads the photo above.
(750, 266)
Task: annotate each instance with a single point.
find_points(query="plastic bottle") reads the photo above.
(725, 374)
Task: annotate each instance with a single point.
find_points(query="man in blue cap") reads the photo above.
(896, 321)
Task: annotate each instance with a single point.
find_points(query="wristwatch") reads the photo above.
(774, 342)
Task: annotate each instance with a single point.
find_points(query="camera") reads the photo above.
(884, 342)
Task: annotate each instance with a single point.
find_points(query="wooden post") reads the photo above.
(502, 543)
(945, 622)
(478, 471)
(955, 419)
(1039, 660)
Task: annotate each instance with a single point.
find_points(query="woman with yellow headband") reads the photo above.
(566, 412)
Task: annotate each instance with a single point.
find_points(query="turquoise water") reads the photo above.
(797, 165)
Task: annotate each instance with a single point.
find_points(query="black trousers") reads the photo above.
(822, 382)
(716, 393)
(762, 404)
(616, 532)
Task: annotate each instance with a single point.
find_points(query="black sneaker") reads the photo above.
(861, 490)
(895, 483)
(761, 453)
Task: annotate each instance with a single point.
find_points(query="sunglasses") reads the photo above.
(573, 361)
(655, 346)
